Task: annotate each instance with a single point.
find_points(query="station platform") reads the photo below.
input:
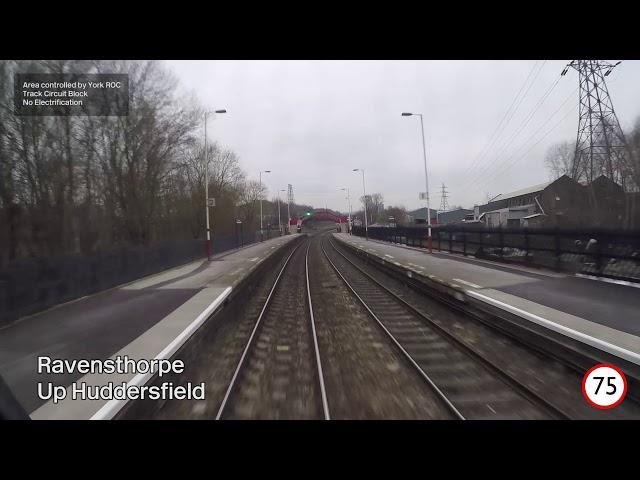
(145, 319)
(601, 314)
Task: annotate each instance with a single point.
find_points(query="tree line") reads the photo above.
(561, 157)
(80, 184)
(377, 213)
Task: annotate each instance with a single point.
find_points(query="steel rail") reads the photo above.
(252, 336)
(323, 391)
(489, 365)
(406, 354)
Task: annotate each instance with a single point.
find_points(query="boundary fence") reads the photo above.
(603, 253)
(29, 285)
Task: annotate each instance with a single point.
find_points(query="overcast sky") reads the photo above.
(312, 122)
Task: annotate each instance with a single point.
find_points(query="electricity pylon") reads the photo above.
(290, 193)
(444, 203)
(601, 148)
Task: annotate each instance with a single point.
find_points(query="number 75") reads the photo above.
(609, 384)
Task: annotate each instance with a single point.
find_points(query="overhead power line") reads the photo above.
(511, 111)
(515, 159)
(524, 122)
(488, 168)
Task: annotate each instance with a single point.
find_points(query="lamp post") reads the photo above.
(279, 222)
(364, 191)
(261, 230)
(206, 181)
(289, 210)
(286, 230)
(426, 177)
(349, 205)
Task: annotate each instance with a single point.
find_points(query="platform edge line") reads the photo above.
(112, 407)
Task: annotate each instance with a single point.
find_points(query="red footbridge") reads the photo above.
(323, 215)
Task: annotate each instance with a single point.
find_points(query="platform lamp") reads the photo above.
(426, 177)
(206, 180)
(261, 230)
(364, 191)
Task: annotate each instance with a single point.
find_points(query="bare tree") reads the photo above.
(249, 198)
(375, 207)
(10, 209)
(634, 153)
(559, 159)
(225, 172)
(399, 214)
(140, 148)
(81, 184)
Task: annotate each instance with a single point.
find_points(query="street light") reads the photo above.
(288, 221)
(289, 208)
(364, 190)
(206, 180)
(349, 205)
(261, 231)
(279, 222)
(426, 177)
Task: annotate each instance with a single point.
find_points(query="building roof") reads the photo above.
(443, 217)
(453, 215)
(523, 191)
(421, 213)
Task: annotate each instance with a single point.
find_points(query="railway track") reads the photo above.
(306, 348)
(366, 376)
(468, 384)
(550, 376)
(279, 374)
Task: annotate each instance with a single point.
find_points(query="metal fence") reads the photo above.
(30, 285)
(605, 253)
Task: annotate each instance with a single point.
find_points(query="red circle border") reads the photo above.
(624, 381)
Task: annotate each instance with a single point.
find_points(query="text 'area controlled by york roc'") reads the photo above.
(71, 94)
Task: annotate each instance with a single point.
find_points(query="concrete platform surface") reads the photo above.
(604, 315)
(140, 319)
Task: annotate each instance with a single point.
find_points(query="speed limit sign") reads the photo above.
(604, 386)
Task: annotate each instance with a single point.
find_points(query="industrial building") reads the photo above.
(562, 203)
(419, 216)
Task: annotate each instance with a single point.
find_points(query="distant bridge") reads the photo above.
(324, 215)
